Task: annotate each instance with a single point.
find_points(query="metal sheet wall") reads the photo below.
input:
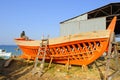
(79, 18)
(69, 28)
(93, 24)
(82, 26)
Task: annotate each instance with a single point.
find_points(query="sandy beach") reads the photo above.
(20, 69)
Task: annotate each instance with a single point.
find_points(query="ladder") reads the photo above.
(42, 50)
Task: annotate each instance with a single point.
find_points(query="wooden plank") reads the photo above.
(63, 39)
(8, 62)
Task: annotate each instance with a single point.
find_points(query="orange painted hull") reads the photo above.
(79, 52)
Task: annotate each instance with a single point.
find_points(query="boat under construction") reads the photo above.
(78, 49)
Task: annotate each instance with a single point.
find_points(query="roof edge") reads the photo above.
(90, 11)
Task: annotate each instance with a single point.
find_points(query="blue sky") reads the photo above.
(38, 17)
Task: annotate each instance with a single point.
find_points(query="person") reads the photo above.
(22, 35)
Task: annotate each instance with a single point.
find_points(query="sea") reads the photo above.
(11, 48)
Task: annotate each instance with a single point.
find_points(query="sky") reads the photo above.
(40, 17)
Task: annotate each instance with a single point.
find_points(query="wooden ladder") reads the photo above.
(41, 52)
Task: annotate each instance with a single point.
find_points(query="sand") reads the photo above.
(20, 69)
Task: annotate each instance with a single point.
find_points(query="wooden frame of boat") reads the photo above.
(80, 49)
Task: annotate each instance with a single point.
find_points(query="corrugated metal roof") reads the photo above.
(113, 4)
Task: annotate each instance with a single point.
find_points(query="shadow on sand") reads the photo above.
(14, 70)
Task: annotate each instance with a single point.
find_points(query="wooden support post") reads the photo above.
(84, 68)
(68, 64)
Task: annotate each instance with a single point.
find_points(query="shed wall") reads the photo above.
(74, 27)
(79, 18)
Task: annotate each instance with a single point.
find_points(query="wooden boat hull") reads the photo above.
(79, 49)
(79, 52)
